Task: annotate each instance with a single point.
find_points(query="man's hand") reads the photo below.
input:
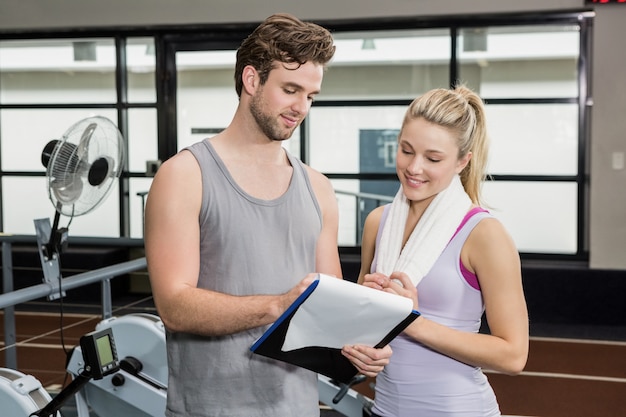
(283, 301)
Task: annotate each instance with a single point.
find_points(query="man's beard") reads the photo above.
(266, 122)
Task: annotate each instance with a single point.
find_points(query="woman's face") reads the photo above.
(427, 159)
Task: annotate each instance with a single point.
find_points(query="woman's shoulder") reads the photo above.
(376, 215)
(489, 235)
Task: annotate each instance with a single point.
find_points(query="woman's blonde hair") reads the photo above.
(461, 111)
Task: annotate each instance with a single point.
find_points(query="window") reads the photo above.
(529, 76)
(47, 85)
(531, 72)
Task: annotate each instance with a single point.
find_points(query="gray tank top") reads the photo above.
(247, 246)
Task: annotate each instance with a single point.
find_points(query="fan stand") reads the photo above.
(51, 242)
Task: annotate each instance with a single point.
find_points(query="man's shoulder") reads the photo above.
(318, 180)
(181, 165)
(313, 173)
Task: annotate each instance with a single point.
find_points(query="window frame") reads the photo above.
(189, 37)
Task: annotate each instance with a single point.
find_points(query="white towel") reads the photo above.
(429, 238)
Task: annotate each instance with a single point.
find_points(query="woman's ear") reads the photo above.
(250, 79)
(462, 163)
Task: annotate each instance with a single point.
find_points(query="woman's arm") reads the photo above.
(368, 241)
(490, 253)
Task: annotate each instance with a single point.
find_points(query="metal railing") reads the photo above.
(9, 298)
(359, 208)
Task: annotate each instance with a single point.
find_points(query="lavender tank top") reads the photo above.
(421, 382)
(247, 246)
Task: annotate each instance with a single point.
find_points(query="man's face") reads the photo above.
(280, 105)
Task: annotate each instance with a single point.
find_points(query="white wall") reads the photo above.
(608, 135)
(29, 14)
(608, 186)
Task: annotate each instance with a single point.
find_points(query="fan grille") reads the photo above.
(84, 165)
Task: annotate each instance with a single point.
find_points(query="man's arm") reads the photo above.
(172, 243)
(327, 252)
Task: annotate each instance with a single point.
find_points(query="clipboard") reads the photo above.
(311, 332)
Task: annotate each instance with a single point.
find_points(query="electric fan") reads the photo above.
(81, 169)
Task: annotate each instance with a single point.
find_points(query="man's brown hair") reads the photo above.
(283, 38)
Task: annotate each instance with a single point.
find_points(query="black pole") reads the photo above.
(53, 406)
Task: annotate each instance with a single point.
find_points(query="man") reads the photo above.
(235, 229)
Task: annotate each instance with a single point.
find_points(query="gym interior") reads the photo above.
(159, 73)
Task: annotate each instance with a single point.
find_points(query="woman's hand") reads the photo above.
(376, 280)
(397, 283)
(400, 284)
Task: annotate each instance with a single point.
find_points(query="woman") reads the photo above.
(436, 245)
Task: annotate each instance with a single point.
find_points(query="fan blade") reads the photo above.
(85, 138)
(68, 189)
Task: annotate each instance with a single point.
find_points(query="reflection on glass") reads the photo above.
(18, 218)
(57, 71)
(142, 138)
(541, 216)
(355, 203)
(387, 64)
(533, 139)
(520, 61)
(337, 136)
(514, 62)
(206, 96)
(138, 190)
(25, 132)
(141, 62)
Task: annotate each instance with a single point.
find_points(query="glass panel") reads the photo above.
(19, 216)
(546, 228)
(387, 64)
(520, 61)
(356, 199)
(104, 221)
(205, 81)
(541, 216)
(25, 133)
(138, 193)
(206, 96)
(142, 138)
(293, 144)
(354, 139)
(533, 139)
(349, 233)
(141, 62)
(18, 213)
(57, 71)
